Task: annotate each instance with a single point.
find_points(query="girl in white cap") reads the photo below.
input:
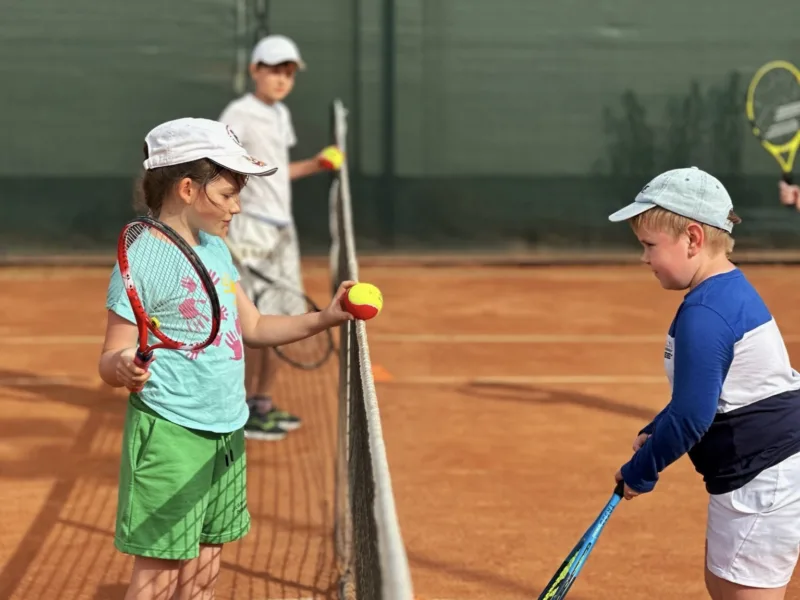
(182, 488)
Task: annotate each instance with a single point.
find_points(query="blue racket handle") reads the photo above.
(597, 527)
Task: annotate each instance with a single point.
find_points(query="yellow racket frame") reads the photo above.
(783, 153)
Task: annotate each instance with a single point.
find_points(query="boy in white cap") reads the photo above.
(735, 405)
(264, 232)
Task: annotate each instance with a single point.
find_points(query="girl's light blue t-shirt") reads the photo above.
(201, 390)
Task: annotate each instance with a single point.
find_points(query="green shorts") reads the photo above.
(178, 487)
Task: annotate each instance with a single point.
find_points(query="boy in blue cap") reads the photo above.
(735, 405)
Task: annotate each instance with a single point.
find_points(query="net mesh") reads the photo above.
(370, 550)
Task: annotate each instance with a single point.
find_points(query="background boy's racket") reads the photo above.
(172, 295)
(562, 581)
(307, 354)
(773, 109)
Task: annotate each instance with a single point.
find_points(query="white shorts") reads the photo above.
(753, 533)
(275, 252)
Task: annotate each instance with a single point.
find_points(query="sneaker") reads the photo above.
(285, 420)
(263, 427)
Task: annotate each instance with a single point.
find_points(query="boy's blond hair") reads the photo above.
(660, 219)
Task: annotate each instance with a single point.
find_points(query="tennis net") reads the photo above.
(370, 552)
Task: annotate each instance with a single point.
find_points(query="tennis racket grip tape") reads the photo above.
(143, 362)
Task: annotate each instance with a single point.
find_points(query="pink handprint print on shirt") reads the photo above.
(223, 313)
(194, 354)
(234, 342)
(214, 277)
(194, 318)
(217, 340)
(188, 284)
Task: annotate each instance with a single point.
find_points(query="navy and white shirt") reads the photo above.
(735, 404)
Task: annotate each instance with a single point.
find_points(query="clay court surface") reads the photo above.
(509, 397)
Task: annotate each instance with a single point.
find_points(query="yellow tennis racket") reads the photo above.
(773, 109)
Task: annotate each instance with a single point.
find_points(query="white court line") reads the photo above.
(490, 338)
(46, 380)
(50, 340)
(556, 338)
(421, 338)
(34, 381)
(528, 380)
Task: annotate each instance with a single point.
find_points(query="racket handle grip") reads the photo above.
(142, 361)
(787, 178)
(620, 489)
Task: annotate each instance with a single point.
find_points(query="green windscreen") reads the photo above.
(479, 126)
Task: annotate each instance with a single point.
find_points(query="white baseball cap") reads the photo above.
(277, 49)
(689, 192)
(186, 140)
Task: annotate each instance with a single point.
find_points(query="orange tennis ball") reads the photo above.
(364, 301)
(331, 158)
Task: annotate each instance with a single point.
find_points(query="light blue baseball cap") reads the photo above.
(689, 192)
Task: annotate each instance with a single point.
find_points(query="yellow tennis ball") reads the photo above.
(364, 301)
(331, 158)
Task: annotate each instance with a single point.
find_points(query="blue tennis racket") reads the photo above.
(559, 585)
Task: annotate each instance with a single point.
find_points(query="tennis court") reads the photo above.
(509, 396)
(458, 446)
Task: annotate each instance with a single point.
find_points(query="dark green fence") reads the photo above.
(481, 126)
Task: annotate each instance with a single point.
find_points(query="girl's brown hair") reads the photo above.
(156, 184)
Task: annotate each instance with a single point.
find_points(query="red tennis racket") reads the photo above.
(171, 293)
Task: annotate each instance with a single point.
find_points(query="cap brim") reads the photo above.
(301, 65)
(246, 165)
(630, 211)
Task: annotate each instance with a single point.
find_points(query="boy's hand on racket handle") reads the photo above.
(128, 374)
(789, 194)
(335, 314)
(627, 492)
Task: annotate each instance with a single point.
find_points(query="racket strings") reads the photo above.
(278, 293)
(776, 106)
(306, 353)
(173, 296)
(311, 351)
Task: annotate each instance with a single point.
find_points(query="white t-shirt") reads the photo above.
(266, 132)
